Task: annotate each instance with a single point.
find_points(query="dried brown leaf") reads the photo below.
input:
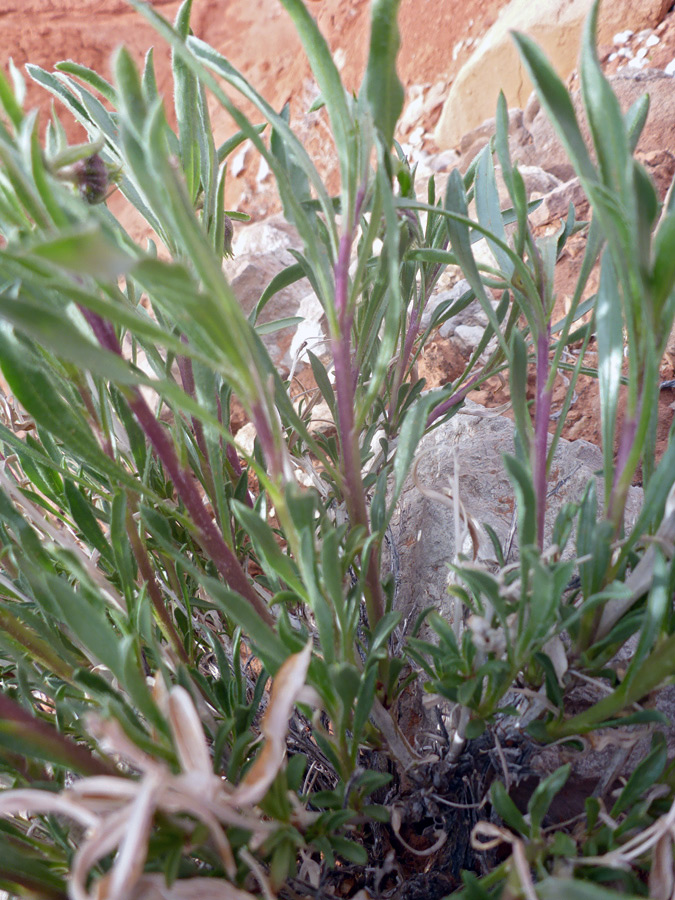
(661, 877)
(286, 689)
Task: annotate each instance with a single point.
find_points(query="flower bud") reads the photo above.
(92, 179)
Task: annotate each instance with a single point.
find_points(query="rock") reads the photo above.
(473, 141)
(261, 251)
(660, 164)
(538, 183)
(495, 64)
(439, 297)
(310, 334)
(556, 203)
(423, 529)
(541, 145)
(469, 336)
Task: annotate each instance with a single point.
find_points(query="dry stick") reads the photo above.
(211, 540)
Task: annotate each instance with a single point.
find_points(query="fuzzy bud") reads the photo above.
(92, 179)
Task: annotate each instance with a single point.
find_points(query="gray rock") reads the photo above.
(473, 444)
(556, 203)
(538, 143)
(469, 336)
(261, 251)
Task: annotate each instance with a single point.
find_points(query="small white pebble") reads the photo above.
(239, 162)
(263, 170)
(622, 36)
(626, 52)
(642, 52)
(670, 68)
(415, 137)
(652, 40)
(637, 63)
(611, 57)
(340, 58)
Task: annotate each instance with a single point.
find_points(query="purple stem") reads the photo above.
(617, 497)
(212, 541)
(188, 379)
(154, 592)
(456, 398)
(411, 334)
(541, 420)
(75, 756)
(345, 381)
(231, 453)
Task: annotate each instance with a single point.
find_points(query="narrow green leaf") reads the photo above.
(86, 521)
(557, 103)
(507, 809)
(521, 479)
(412, 431)
(488, 210)
(267, 547)
(518, 382)
(149, 79)
(645, 774)
(130, 99)
(604, 115)
(186, 106)
(381, 83)
(289, 275)
(609, 336)
(9, 102)
(458, 233)
(51, 83)
(330, 85)
(90, 77)
(663, 266)
(85, 251)
(323, 382)
(182, 23)
(565, 888)
(231, 144)
(540, 801)
(268, 645)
